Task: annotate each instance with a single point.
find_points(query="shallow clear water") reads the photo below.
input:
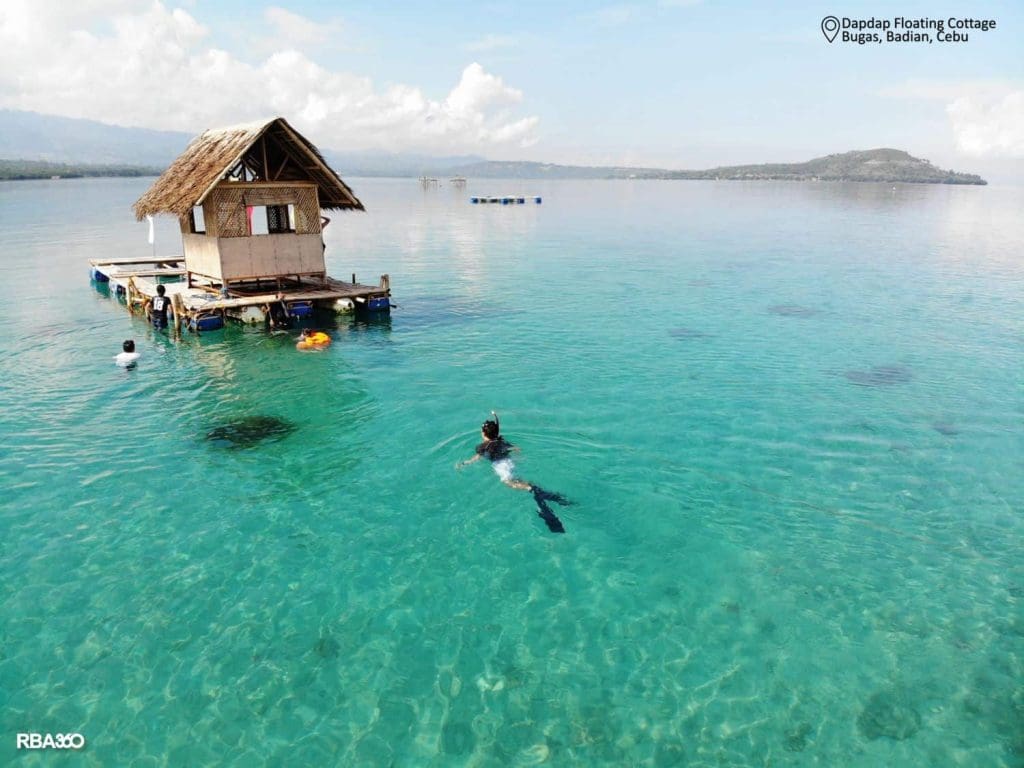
(789, 415)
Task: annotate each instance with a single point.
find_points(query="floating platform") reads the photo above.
(507, 200)
(103, 270)
(205, 306)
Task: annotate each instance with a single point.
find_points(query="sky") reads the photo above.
(662, 83)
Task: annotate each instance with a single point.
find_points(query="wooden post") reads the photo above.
(353, 278)
(130, 291)
(385, 282)
(179, 313)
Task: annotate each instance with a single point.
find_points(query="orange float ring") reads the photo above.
(316, 340)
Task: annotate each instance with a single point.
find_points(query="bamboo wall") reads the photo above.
(228, 252)
(224, 208)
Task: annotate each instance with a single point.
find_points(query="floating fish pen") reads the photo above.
(513, 200)
(249, 202)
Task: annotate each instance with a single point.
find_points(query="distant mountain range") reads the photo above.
(87, 147)
(81, 144)
(884, 165)
(31, 136)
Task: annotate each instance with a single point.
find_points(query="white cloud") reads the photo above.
(298, 31)
(490, 43)
(150, 66)
(989, 127)
(986, 116)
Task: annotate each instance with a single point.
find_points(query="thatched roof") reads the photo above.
(270, 150)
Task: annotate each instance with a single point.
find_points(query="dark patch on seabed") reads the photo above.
(249, 431)
(457, 738)
(945, 428)
(889, 714)
(326, 647)
(793, 310)
(687, 333)
(796, 737)
(880, 376)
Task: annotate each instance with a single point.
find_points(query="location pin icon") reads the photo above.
(830, 27)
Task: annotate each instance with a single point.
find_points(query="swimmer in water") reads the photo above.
(498, 451)
(128, 358)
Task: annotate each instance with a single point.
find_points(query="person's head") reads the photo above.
(129, 345)
(160, 290)
(489, 429)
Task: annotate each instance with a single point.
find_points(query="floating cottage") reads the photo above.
(248, 199)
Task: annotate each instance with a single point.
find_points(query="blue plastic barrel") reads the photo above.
(378, 304)
(536, 200)
(208, 323)
(98, 276)
(300, 308)
(474, 200)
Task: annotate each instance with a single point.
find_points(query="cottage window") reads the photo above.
(278, 220)
(258, 220)
(270, 219)
(196, 221)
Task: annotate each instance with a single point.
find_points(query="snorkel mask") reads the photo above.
(491, 424)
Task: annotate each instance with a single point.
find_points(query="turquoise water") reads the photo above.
(790, 416)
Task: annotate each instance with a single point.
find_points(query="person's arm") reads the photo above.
(467, 462)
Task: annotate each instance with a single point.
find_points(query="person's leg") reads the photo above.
(545, 513)
(558, 498)
(519, 485)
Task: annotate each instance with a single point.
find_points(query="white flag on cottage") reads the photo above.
(152, 236)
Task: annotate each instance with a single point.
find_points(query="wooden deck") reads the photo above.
(140, 284)
(330, 290)
(124, 274)
(148, 260)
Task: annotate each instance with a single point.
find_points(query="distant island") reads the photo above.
(44, 146)
(20, 170)
(877, 165)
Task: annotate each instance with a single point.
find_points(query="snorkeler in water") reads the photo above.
(498, 451)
